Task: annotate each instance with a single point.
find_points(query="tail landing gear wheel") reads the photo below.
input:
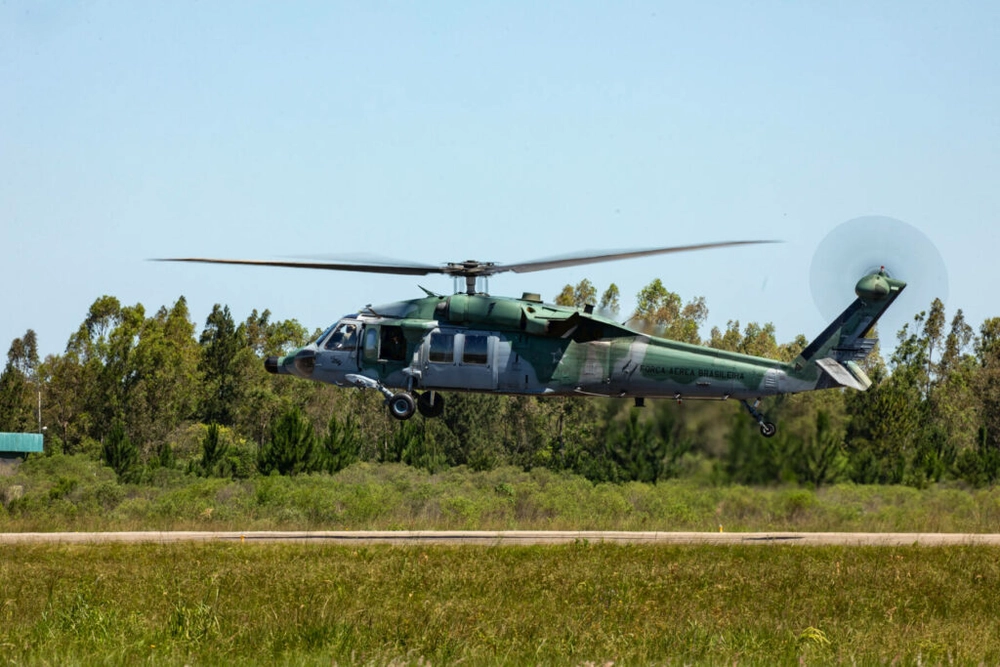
(402, 406)
(430, 404)
(767, 429)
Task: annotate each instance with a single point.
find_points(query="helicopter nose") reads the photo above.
(278, 365)
(305, 362)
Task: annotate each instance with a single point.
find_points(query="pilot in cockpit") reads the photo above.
(345, 337)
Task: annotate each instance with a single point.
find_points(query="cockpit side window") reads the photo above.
(326, 333)
(344, 338)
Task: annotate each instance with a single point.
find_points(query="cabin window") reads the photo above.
(393, 344)
(475, 350)
(345, 337)
(370, 350)
(442, 348)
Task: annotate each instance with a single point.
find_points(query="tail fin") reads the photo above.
(836, 351)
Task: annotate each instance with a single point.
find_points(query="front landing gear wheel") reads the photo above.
(402, 406)
(767, 429)
(430, 404)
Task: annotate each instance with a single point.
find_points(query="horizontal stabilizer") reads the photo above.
(850, 376)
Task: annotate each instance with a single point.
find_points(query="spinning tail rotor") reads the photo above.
(871, 245)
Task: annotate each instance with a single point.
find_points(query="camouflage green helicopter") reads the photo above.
(410, 351)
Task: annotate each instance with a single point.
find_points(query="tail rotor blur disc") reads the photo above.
(862, 246)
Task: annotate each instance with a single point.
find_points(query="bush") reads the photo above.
(292, 448)
(120, 453)
(341, 446)
(213, 451)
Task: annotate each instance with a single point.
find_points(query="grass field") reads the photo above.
(570, 604)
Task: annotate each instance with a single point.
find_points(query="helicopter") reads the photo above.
(411, 351)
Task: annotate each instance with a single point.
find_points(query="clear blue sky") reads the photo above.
(502, 131)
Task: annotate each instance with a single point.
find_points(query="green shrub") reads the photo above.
(213, 451)
(341, 446)
(119, 453)
(292, 447)
(63, 487)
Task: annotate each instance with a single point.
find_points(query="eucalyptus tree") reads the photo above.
(263, 397)
(666, 314)
(220, 342)
(579, 296)
(988, 384)
(163, 376)
(610, 302)
(20, 386)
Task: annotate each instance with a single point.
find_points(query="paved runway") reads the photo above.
(510, 537)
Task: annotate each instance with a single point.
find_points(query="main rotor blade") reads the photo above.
(577, 260)
(411, 270)
(356, 258)
(465, 269)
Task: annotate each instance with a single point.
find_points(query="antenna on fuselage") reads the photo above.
(428, 292)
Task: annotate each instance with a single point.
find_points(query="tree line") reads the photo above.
(145, 391)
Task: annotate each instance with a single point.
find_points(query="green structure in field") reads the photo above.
(16, 444)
